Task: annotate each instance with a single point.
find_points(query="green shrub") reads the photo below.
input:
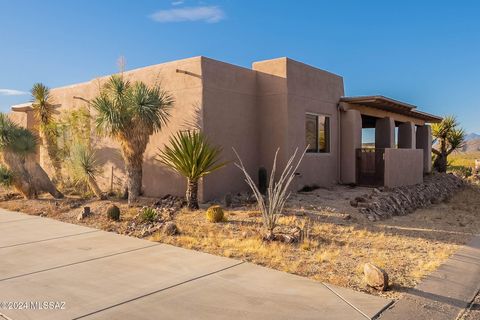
(113, 213)
(6, 176)
(462, 171)
(215, 214)
(148, 214)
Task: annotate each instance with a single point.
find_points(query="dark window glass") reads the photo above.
(317, 133)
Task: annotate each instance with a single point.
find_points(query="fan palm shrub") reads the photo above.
(17, 147)
(448, 137)
(85, 169)
(130, 113)
(43, 110)
(191, 155)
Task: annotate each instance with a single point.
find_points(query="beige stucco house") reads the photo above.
(279, 103)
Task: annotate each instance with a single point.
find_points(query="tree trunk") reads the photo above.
(50, 143)
(440, 163)
(41, 180)
(22, 180)
(192, 194)
(134, 179)
(93, 185)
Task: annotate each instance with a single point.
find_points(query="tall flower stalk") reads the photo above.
(278, 192)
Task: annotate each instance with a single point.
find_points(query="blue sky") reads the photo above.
(423, 52)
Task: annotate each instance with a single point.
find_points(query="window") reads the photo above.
(317, 133)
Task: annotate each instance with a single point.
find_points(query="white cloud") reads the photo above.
(210, 14)
(11, 92)
(177, 3)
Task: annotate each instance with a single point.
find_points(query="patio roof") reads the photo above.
(391, 105)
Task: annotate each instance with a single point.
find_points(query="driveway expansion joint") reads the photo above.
(48, 239)
(157, 291)
(79, 262)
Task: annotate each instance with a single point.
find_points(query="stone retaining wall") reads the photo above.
(384, 202)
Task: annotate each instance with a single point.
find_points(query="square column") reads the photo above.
(385, 133)
(424, 141)
(351, 140)
(406, 136)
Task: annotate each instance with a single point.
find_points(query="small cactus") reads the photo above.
(113, 213)
(228, 200)
(262, 180)
(215, 214)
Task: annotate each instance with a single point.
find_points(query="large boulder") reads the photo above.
(375, 277)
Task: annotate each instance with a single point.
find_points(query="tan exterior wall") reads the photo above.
(403, 167)
(230, 117)
(187, 91)
(351, 140)
(311, 90)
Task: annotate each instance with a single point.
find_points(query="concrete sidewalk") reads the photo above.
(101, 275)
(446, 293)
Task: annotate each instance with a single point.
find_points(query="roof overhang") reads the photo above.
(26, 107)
(391, 105)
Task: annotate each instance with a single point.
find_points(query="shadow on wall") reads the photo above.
(158, 180)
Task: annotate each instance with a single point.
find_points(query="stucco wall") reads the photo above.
(187, 92)
(272, 114)
(230, 116)
(403, 167)
(314, 91)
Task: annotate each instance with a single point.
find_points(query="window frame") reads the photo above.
(327, 133)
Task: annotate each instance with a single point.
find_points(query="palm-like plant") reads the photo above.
(131, 113)
(448, 137)
(17, 145)
(86, 168)
(191, 155)
(43, 110)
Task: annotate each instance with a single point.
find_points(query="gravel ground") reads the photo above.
(474, 312)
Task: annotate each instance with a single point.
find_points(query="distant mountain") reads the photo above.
(472, 136)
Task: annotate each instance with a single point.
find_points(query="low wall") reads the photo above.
(403, 167)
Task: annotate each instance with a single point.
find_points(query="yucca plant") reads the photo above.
(191, 155)
(43, 111)
(85, 169)
(17, 146)
(6, 176)
(448, 137)
(272, 205)
(130, 113)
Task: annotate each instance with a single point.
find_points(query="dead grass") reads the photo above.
(407, 247)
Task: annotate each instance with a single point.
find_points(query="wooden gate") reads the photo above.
(370, 167)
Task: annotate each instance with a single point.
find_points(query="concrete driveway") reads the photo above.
(54, 270)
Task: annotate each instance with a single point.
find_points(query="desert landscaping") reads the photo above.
(339, 239)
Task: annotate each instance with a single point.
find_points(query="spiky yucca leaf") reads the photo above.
(16, 139)
(85, 164)
(42, 105)
(6, 176)
(122, 107)
(190, 154)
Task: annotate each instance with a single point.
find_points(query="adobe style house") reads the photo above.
(279, 103)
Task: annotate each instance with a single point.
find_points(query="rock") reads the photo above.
(85, 213)
(170, 228)
(387, 202)
(375, 277)
(346, 217)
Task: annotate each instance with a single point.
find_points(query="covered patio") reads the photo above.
(388, 162)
